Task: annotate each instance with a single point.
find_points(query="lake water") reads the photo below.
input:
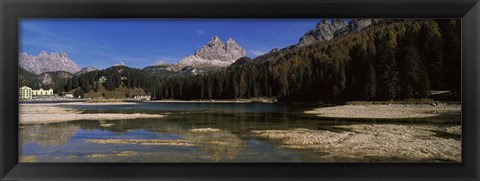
(208, 132)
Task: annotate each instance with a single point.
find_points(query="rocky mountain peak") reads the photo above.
(215, 39)
(215, 42)
(63, 55)
(326, 30)
(119, 64)
(43, 53)
(230, 40)
(232, 45)
(323, 31)
(338, 23)
(323, 22)
(45, 62)
(216, 53)
(358, 24)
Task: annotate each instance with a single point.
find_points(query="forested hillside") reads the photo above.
(55, 80)
(394, 59)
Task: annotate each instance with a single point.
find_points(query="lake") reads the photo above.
(190, 132)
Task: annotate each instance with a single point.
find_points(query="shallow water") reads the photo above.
(157, 140)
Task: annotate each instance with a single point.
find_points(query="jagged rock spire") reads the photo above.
(215, 52)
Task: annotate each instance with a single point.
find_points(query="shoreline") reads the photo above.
(257, 100)
(76, 103)
(126, 101)
(385, 111)
(54, 113)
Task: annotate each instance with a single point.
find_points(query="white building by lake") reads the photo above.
(42, 92)
(28, 93)
(25, 93)
(145, 97)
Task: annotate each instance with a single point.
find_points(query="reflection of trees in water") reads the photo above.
(236, 122)
(221, 144)
(123, 126)
(47, 134)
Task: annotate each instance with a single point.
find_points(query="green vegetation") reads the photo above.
(54, 80)
(115, 82)
(26, 78)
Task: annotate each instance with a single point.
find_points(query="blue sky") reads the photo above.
(141, 42)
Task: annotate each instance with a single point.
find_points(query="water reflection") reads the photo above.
(47, 135)
(215, 143)
(190, 132)
(218, 144)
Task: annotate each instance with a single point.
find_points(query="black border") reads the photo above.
(11, 11)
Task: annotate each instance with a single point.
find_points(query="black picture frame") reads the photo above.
(11, 11)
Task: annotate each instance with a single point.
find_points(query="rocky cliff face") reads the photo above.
(45, 62)
(356, 25)
(215, 53)
(326, 30)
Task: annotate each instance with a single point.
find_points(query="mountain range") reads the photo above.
(214, 55)
(335, 62)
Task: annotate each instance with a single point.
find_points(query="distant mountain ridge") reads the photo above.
(86, 70)
(214, 53)
(45, 62)
(212, 56)
(55, 68)
(324, 31)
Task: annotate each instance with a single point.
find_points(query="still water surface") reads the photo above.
(227, 138)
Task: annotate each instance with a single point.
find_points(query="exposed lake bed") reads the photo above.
(55, 112)
(230, 132)
(367, 143)
(393, 111)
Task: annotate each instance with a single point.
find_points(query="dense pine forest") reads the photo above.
(392, 60)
